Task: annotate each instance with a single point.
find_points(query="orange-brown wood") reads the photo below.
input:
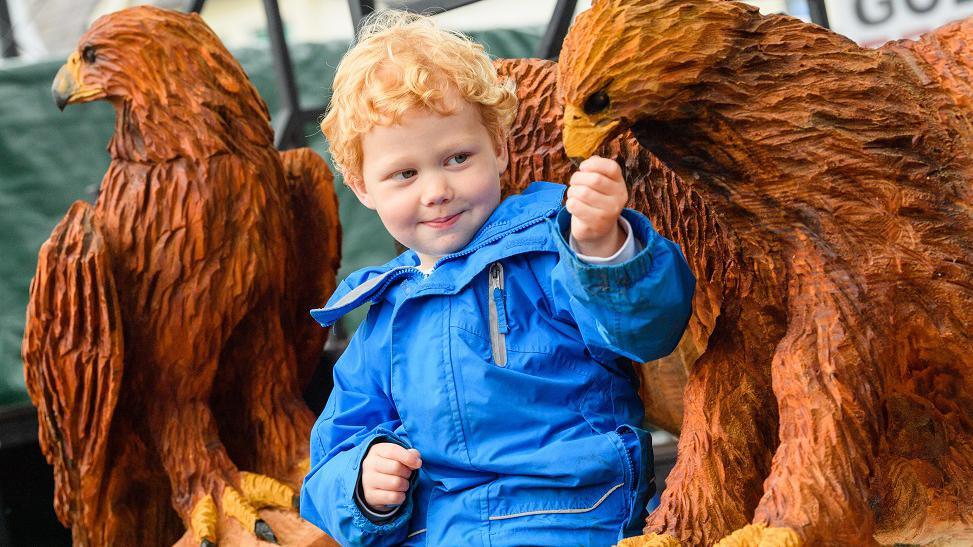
(833, 399)
(167, 336)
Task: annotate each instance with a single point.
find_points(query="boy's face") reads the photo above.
(434, 180)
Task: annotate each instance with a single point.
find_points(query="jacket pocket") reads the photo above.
(594, 480)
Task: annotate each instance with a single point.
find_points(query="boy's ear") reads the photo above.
(503, 158)
(358, 187)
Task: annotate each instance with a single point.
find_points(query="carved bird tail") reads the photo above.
(73, 357)
(315, 251)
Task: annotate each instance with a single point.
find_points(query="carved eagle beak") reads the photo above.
(66, 89)
(582, 136)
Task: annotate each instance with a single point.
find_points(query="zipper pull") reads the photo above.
(501, 311)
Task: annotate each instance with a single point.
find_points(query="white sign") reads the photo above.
(871, 23)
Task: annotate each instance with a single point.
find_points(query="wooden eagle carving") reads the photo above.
(912, 484)
(823, 195)
(167, 336)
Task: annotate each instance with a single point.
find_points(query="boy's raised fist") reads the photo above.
(596, 196)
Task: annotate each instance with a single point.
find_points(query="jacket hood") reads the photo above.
(538, 202)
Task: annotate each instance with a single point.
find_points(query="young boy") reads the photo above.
(487, 398)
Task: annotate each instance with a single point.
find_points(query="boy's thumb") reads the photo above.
(418, 458)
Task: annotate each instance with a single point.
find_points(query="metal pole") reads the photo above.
(819, 13)
(282, 57)
(8, 43)
(288, 121)
(359, 9)
(557, 29)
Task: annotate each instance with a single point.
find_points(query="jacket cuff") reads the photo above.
(372, 515)
(624, 253)
(604, 280)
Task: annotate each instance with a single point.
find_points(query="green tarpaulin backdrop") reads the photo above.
(48, 159)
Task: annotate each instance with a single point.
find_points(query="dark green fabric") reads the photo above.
(49, 159)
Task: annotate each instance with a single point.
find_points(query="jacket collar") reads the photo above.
(537, 202)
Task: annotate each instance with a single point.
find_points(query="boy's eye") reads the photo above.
(404, 175)
(458, 158)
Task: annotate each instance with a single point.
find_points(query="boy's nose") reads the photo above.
(436, 190)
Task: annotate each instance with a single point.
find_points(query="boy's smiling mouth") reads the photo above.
(443, 222)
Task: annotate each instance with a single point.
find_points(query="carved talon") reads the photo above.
(262, 530)
(759, 535)
(203, 521)
(263, 491)
(255, 491)
(650, 540)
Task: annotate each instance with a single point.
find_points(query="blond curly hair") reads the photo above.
(403, 61)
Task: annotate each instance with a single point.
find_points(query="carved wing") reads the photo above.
(315, 251)
(73, 355)
(534, 143)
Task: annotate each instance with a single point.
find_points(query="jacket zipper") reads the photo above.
(498, 316)
(496, 237)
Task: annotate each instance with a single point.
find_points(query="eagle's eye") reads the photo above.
(596, 103)
(88, 54)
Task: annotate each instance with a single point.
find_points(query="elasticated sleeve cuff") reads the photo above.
(628, 249)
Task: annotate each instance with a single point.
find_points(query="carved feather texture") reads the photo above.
(841, 178)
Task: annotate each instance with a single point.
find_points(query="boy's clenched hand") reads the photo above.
(596, 197)
(385, 473)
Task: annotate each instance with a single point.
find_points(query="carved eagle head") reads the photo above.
(629, 60)
(176, 90)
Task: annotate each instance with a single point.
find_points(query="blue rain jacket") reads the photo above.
(506, 368)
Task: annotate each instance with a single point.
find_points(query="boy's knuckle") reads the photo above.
(390, 482)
